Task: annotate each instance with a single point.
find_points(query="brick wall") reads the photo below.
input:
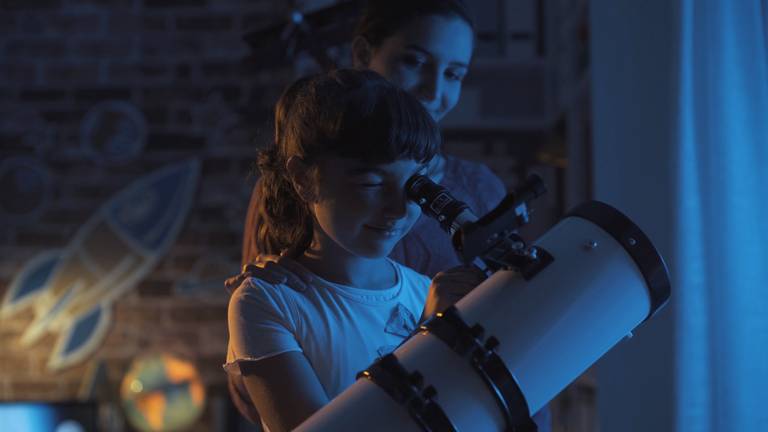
(182, 65)
(188, 87)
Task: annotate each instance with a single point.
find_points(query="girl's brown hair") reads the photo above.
(346, 113)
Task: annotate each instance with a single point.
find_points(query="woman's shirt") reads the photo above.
(427, 248)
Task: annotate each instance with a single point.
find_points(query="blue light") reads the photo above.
(27, 417)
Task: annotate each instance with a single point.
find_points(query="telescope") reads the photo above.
(545, 314)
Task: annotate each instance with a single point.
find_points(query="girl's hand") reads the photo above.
(273, 269)
(450, 286)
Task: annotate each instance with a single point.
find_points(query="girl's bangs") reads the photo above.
(392, 127)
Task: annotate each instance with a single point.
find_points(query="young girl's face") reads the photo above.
(429, 59)
(362, 209)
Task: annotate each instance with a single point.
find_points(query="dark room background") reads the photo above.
(129, 130)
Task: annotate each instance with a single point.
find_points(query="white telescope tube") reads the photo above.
(605, 280)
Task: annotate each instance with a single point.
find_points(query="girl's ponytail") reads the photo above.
(282, 221)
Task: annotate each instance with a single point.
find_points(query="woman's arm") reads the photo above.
(284, 388)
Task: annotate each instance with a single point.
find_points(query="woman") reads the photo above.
(424, 47)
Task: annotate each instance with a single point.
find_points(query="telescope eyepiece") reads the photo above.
(438, 203)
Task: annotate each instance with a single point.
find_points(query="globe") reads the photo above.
(161, 392)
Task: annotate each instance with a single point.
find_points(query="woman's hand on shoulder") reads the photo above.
(450, 286)
(274, 269)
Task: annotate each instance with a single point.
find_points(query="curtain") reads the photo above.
(721, 276)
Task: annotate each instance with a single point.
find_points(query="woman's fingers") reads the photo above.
(293, 274)
(262, 260)
(230, 284)
(273, 269)
(297, 270)
(233, 282)
(273, 275)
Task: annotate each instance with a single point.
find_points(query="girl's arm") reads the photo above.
(284, 388)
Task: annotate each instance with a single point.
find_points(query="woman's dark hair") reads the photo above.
(383, 18)
(346, 113)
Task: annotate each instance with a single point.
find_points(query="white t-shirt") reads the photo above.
(340, 329)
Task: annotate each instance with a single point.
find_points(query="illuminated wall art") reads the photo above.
(25, 189)
(72, 291)
(113, 132)
(161, 392)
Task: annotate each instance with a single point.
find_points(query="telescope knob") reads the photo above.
(491, 343)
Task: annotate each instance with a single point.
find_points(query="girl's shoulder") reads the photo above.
(255, 290)
(261, 301)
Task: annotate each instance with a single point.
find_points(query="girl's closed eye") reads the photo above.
(368, 182)
(370, 185)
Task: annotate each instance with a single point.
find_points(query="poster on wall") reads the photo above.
(71, 291)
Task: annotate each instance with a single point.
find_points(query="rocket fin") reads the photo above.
(44, 321)
(83, 335)
(29, 282)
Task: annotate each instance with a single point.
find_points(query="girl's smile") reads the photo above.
(385, 231)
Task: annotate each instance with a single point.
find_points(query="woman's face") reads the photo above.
(428, 58)
(362, 209)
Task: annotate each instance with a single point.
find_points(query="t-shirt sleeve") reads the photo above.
(260, 322)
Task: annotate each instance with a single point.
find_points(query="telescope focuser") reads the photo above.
(491, 241)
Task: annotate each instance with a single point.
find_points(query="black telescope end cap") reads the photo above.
(636, 243)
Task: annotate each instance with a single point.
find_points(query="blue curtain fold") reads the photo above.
(721, 272)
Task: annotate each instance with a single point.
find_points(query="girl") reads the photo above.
(333, 199)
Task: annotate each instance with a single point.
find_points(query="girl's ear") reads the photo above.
(362, 52)
(302, 178)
